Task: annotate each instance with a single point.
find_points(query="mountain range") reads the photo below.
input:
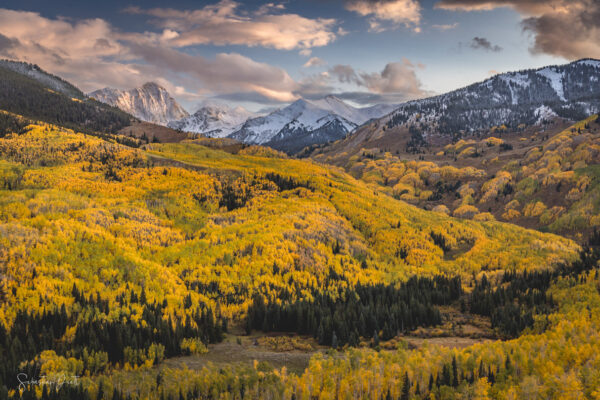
(291, 128)
(304, 123)
(213, 120)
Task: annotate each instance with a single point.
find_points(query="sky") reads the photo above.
(263, 54)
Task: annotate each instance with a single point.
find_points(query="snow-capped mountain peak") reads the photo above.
(214, 120)
(307, 122)
(150, 102)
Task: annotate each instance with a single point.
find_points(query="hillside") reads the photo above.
(51, 81)
(538, 179)
(30, 98)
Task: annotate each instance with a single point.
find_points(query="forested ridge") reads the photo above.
(28, 98)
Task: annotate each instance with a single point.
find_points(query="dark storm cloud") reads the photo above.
(479, 43)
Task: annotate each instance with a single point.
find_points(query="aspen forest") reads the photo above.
(117, 259)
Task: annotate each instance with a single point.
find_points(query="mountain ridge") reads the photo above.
(507, 101)
(54, 82)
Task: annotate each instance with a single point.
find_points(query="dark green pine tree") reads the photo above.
(405, 388)
(454, 372)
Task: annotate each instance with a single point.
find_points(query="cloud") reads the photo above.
(92, 54)
(227, 72)
(368, 98)
(223, 24)
(314, 62)
(523, 6)
(445, 27)
(385, 14)
(479, 43)
(397, 78)
(564, 28)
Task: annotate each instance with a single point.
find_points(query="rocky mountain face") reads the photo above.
(507, 102)
(214, 120)
(151, 103)
(304, 123)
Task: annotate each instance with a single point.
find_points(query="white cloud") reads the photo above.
(445, 27)
(383, 13)
(314, 62)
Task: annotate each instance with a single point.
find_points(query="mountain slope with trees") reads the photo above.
(31, 99)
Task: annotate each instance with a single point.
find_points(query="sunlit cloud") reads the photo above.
(388, 14)
(223, 24)
(92, 54)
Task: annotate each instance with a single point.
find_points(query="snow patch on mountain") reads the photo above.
(544, 113)
(355, 115)
(556, 80)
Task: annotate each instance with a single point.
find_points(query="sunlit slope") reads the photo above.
(538, 180)
(194, 225)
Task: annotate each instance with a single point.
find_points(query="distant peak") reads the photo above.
(152, 85)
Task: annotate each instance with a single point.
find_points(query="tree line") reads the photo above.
(346, 315)
(512, 304)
